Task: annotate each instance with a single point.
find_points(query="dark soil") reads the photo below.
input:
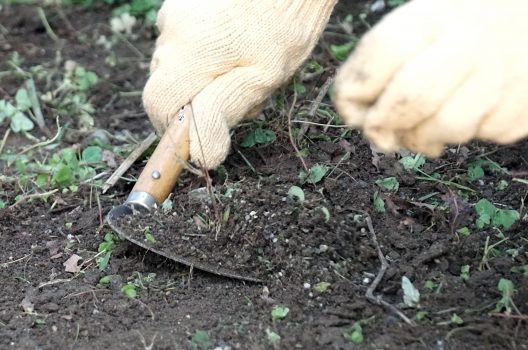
(255, 229)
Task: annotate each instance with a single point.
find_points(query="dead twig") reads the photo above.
(4, 139)
(33, 196)
(290, 134)
(144, 342)
(44, 143)
(62, 15)
(52, 282)
(320, 96)
(35, 105)
(152, 315)
(509, 316)
(320, 124)
(191, 269)
(208, 180)
(131, 46)
(519, 173)
(378, 300)
(92, 291)
(6, 264)
(132, 157)
(462, 329)
(45, 23)
(248, 163)
(101, 221)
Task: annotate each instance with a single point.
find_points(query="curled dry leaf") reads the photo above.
(72, 264)
(53, 247)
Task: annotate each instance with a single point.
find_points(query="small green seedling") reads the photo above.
(314, 66)
(258, 136)
(91, 154)
(166, 206)
(502, 185)
(273, 338)
(279, 312)
(456, 320)
(129, 290)
(325, 212)
(431, 285)
(341, 52)
(413, 163)
(321, 287)
(40, 322)
(105, 249)
(296, 193)
(315, 174)
(149, 237)
(421, 316)
(411, 295)
(378, 202)
(355, 335)
(506, 302)
(65, 169)
(476, 169)
(489, 214)
(464, 273)
(201, 341)
(20, 122)
(298, 87)
(105, 280)
(143, 281)
(520, 269)
(464, 231)
(513, 252)
(475, 172)
(389, 183)
(109, 280)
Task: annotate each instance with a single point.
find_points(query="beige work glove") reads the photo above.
(438, 72)
(227, 57)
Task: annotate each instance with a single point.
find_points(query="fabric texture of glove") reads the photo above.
(227, 57)
(437, 72)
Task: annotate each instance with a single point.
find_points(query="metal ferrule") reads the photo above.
(141, 200)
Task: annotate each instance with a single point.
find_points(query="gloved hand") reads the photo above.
(435, 72)
(227, 57)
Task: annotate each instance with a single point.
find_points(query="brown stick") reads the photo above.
(132, 157)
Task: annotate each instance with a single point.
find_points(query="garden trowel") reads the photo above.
(154, 185)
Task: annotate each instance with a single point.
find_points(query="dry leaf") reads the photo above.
(71, 265)
(53, 247)
(347, 146)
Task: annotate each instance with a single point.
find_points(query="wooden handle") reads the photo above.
(159, 176)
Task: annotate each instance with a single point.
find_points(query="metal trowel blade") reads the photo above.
(116, 216)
